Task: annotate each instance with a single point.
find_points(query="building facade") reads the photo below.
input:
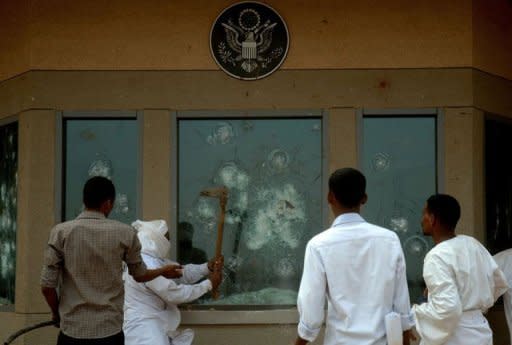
(411, 93)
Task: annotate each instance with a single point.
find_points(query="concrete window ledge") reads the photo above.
(7, 308)
(230, 317)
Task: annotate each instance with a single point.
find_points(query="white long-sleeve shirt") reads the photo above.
(504, 261)
(359, 268)
(461, 277)
(150, 309)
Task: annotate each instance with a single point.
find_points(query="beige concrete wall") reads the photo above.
(463, 166)
(342, 132)
(174, 35)
(249, 335)
(156, 169)
(492, 36)
(14, 38)
(340, 93)
(492, 94)
(195, 90)
(36, 204)
(342, 138)
(36, 216)
(12, 322)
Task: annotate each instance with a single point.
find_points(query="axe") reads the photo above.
(222, 194)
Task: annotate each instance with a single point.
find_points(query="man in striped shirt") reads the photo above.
(84, 259)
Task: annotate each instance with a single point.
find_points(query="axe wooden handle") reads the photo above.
(222, 194)
(220, 227)
(220, 236)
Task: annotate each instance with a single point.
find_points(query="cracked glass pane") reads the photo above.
(272, 169)
(102, 147)
(8, 210)
(399, 161)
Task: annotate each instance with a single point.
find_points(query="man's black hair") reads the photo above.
(348, 186)
(97, 190)
(445, 208)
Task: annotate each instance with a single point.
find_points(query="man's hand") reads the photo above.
(169, 272)
(56, 320)
(172, 271)
(52, 298)
(408, 336)
(216, 263)
(216, 278)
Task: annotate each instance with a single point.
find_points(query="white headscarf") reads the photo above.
(152, 237)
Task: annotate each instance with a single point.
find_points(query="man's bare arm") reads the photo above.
(169, 271)
(51, 297)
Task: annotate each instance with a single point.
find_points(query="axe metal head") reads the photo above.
(219, 192)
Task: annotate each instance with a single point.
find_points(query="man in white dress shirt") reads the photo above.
(504, 261)
(462, 279)
(358, 268)
(151, 314)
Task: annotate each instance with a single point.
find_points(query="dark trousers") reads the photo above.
(116, 339)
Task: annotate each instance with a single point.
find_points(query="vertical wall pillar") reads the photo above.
(342, 138)
(36, 204)
(342, 141)
(156, 173)
(464, 167)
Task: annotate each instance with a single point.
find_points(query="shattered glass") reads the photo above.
(102, 147)
(8, 210)
(399, 161)
(272, 169)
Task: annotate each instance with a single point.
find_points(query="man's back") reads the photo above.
(463, 281)
(360, 268)
(472, 269)
(90, 250)
(504, 261)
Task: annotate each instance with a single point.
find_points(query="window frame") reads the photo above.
(3, 122)
(234, 315)
(496, 119)
(436, 113)
(60, 161)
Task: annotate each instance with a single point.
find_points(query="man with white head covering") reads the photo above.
(462, 279)
(151, 315)
(504, 261)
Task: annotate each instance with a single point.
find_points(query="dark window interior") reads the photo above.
(498, 180)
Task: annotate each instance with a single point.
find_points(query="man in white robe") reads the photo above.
(462, 279)
(151, 314)
(504, 261)
(358, 268)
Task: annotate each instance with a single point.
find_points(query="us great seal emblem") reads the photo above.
(249, 40)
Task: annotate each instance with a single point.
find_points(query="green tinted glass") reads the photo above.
(102, 147)
(272, 169)
(8, 208)
(399, 161)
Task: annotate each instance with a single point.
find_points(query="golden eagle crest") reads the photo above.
(245, 41)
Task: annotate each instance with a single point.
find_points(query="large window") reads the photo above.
(399, 161)
(272, 169)
(106, 147)
(8, 208)
(498, 178)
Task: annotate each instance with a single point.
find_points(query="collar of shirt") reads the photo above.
(347, 218)
(87, 214)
